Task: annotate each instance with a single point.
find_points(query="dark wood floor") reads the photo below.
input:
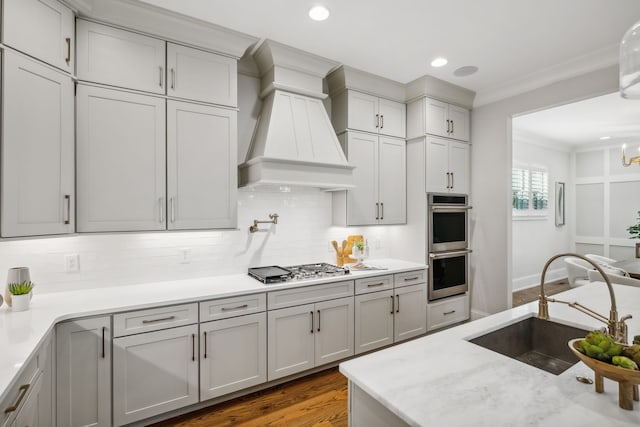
(318, 400)
(527, 295)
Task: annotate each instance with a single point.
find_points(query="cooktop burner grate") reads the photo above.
(276, 274)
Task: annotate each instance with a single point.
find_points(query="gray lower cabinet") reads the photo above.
(83, 372)
(30, 401)
(154, 373)
(305, 336)
(389, 309)
(233, 354)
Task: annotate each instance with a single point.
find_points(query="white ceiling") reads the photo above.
(513, 42)
(583, 123)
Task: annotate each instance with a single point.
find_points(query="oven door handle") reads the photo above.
(439, 255)
(450, 208)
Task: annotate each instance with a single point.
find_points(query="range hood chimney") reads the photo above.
(294, 143)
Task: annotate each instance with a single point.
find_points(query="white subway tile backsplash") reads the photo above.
(301, 236)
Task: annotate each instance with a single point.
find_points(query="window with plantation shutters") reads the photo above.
(530, 191)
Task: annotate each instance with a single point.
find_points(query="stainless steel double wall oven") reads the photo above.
(448, 244)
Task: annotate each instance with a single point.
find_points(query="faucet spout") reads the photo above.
(617, 329)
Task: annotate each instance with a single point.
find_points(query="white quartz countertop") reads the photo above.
(22, 332)
(444, 380)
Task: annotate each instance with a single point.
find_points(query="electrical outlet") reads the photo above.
(71, 263)
(186, 256)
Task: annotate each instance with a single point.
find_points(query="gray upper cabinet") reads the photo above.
(360, 111)
(202, 76)
(37, 146)
(201, 173)
(42, 29)
(121, 160)
(434, 117)
(120, 58)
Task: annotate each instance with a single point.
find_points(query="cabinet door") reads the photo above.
(290, 341)
(29, 415)
(459, 165)
(362, 201)
(121, 160)
(233, 355)
(334, 330)
(83, 373)
(459, 118)
(437, 114)
(154, 373)
(37, 144)
(373, 320)
(410, 312)
(362, 112)
(393, 118)
(202, 76)
(40, 28)
(437, 165)
(121, 58)
(201, 166)
(392, 178)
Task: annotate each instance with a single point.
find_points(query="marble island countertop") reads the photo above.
(22, 332)
(442, 379)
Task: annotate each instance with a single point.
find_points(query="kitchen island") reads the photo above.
(442, 379)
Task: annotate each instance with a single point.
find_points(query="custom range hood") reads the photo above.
(294, 143)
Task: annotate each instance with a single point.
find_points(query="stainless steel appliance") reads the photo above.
(448, 248)
(276, 274)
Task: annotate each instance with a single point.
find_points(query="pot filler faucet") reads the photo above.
(617, 329)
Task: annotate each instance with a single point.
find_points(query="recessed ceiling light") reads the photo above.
(439, 62)
(467, 70)
(318, 13)
(604, 137)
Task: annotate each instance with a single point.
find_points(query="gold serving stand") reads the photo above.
(627, 379)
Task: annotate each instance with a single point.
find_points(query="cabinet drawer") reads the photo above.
(154, 319)
(373, 284)
(410, 278)
(447, 312)
(231, 307)
(309, 294)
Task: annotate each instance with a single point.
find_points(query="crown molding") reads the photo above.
(599, 59)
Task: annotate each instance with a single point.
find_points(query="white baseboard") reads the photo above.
(533, 280)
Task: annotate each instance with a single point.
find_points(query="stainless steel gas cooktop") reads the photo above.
(276, 274)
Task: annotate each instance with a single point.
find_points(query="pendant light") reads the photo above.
(630, 63)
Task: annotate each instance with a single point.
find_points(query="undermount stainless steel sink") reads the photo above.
(536, 342)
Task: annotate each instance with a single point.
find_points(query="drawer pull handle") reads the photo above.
(449, 312)
(205, 344)
(392, 304)
(68, 58)
(311, 312)
(373, 285)
(398, 307)
(23, 391)
(67, 199)
(193, 347)
(408, 279)
(103, 331)
(158, 320)
(239, 307)
(318, 320)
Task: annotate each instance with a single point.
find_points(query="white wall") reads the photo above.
(491, 181)
(535, 240)
(301, 236)
(607, 201)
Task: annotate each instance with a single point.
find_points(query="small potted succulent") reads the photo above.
(634, 231)
(20, 295)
